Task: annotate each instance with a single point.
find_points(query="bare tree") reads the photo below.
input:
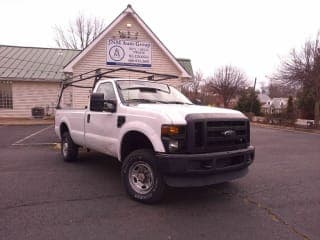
(302, 69)
(80, 33)
(196, 83)
(227, 81)
(277, 89)
(192, 89)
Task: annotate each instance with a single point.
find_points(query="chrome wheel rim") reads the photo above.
(141, 177)
(65, 148)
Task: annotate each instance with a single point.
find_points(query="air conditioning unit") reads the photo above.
(37, 112)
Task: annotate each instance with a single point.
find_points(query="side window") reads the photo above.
(107, 90)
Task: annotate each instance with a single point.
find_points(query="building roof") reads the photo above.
(128, 11)
(186, 64)
(43, 64)
(33, 63)
(263, 98)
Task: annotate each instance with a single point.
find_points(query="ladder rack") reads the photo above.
(100, 73)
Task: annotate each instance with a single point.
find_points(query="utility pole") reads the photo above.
(253, 93)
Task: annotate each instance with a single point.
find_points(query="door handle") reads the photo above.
(88, 118)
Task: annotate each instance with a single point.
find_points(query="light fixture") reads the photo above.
(173, 145)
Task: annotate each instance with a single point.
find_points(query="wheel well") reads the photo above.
(63, 128)
(133, 141)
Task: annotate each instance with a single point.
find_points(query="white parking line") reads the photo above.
(31, 135)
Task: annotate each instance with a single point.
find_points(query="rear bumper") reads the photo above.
(184, 170)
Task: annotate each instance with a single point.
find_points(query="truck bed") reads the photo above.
(74, 118)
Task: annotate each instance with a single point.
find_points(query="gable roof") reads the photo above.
(186, 64)
(263, 98)
(127, 11)
(34, 63)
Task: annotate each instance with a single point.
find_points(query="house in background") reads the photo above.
(263, 98)
(275, 106)
(31, 77)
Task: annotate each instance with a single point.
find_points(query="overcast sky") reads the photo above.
(252, 35)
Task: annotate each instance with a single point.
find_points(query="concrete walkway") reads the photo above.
(25, 121)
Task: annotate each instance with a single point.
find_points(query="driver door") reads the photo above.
(101, 132)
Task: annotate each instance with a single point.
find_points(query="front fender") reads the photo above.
(145, 129)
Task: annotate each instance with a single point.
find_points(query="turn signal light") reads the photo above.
(170, 130)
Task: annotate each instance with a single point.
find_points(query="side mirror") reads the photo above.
(97, 102)
(197, 101)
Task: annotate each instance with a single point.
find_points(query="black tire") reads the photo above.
(69, 150)
(146, 188)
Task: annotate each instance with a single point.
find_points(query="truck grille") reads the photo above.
(216, 135)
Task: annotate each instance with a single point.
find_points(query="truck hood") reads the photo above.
(177, 112)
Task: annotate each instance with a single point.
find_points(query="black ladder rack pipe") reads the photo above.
(98, 73)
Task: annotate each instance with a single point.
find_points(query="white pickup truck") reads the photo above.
(158, 135)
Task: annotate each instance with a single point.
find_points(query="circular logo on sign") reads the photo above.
(116, 53)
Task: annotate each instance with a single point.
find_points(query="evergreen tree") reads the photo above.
(247, 98)
(306, 103)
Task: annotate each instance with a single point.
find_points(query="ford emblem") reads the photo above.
(229, 133)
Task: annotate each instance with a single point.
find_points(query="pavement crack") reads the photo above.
(31, 204)
(274, 216)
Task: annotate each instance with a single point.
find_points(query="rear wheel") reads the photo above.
(69, 150)
(141, 179)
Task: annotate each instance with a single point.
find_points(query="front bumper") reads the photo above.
(184, 170)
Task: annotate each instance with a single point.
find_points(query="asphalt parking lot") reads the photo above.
(41, 197)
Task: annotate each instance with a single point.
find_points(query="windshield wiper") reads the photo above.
(177, 102)
(143, 100)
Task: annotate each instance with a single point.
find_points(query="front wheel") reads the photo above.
(69, 150)
(141, 179)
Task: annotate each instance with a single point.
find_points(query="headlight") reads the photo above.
(173, 145)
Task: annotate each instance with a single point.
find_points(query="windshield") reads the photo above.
(150, 92)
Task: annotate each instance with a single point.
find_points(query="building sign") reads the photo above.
(126, 52)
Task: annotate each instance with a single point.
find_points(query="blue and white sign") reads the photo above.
(126, 52)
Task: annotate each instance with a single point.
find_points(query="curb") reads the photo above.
(24, 122)
(289, 129)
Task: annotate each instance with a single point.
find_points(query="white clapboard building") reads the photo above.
(30, 77)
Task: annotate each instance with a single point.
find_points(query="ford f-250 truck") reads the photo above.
(158, 135)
